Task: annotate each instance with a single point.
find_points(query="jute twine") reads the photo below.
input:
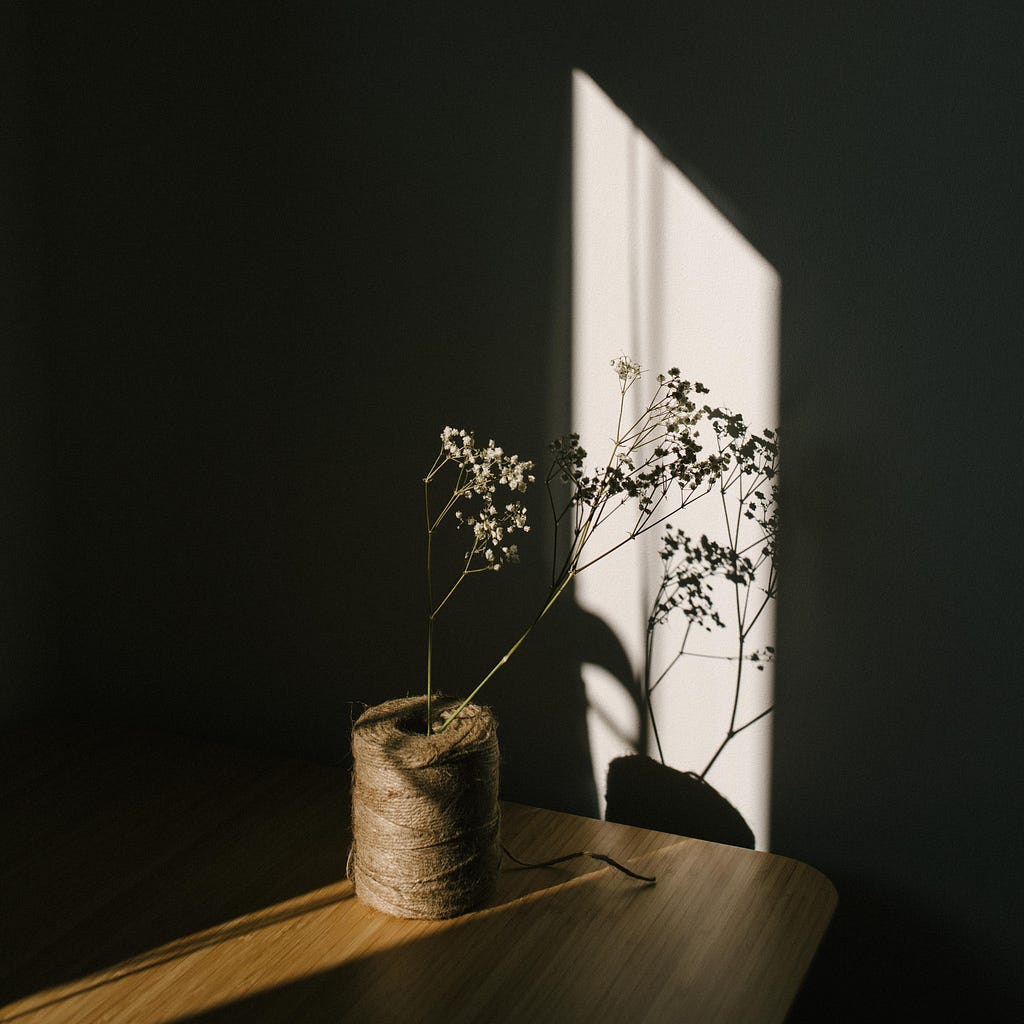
(425, 819)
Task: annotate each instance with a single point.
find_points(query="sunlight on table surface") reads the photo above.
(722, 931)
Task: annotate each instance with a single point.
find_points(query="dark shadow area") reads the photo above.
(121, 847)
(116, 843)
(26, 443)
(542, 703)
(883, 958)
(644, 792)
(279, 254)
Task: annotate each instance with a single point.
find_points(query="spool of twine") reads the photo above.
(425, 819)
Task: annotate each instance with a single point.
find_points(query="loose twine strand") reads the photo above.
(604, 858)
(425, 817)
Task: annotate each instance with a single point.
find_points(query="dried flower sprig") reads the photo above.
(478, 474)
(656, 467)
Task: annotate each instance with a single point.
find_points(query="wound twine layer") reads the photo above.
(425, 820)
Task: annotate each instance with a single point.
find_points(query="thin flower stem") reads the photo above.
(657, 450)
(430, 599)
(466, 571)
(556, 518)
(634, 534)
(643, 520)
(457, 493)
(455, 586)
(508, 654)
(430, 658)
(440, 460)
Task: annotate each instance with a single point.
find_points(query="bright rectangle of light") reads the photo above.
(661, 275)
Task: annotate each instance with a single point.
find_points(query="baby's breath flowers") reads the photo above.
(625, 368)
(656, 467)
(479, 476)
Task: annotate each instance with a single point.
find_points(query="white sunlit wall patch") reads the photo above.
(662, 276)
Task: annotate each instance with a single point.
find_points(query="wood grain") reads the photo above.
(154, 879)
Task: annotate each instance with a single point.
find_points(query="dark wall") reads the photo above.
(872, 158)
(27, 682)
(284, 244)
(283, 250)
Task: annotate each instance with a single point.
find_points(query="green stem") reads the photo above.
(508, 654)
(430, 604)
(430, 655)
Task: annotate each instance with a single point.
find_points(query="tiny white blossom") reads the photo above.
(625, 368)
(481, 471)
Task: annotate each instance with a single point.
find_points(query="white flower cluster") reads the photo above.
(626, 369)
(481, 472)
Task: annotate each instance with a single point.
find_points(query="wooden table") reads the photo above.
(147, 879)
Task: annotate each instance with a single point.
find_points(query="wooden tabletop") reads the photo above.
(148, 879)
